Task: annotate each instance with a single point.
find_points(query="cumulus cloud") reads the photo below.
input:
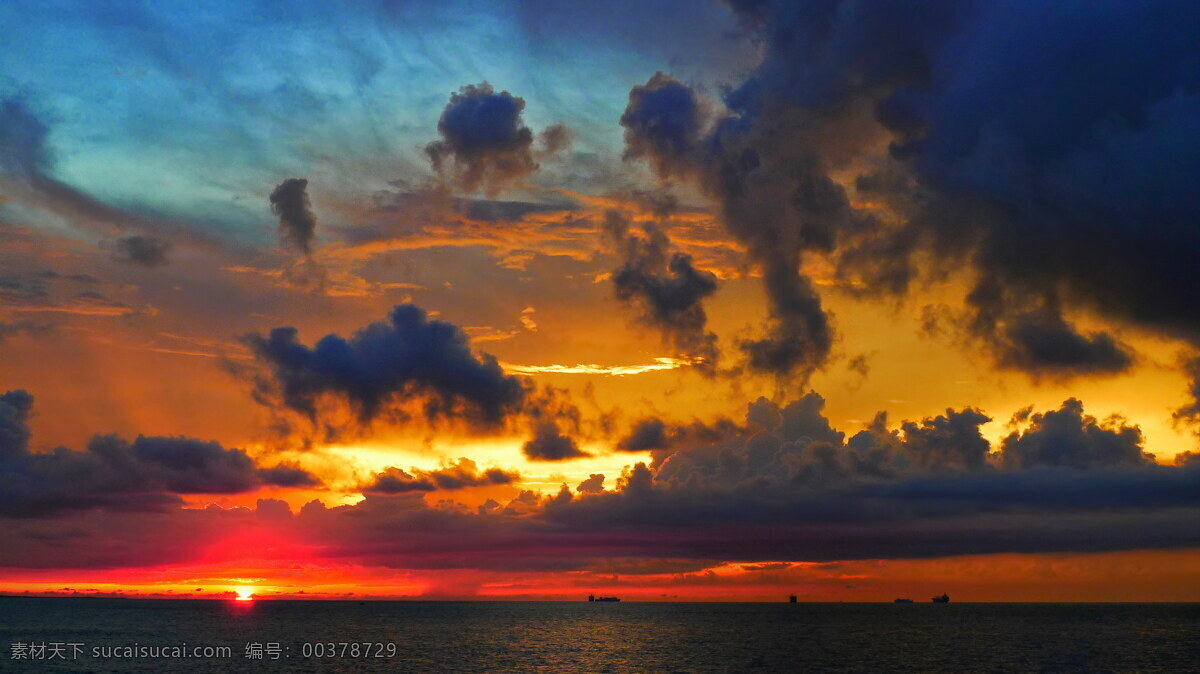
(297, 223)
(787, 485)
(407, 358)
(952, 440)
(662, 438)
(663, 124)
(666, 287)
(461, 474)
(146, 474)
(1068, 437)
(593, 485)
(932, 487)
(1187, 458)
(556, 424)
(288, 475)
(646, 434)
(485, 143)
(549, 443)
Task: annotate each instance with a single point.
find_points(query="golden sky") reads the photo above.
(598, 312)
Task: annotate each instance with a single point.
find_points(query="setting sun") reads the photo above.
(244, 594)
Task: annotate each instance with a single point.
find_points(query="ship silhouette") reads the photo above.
(592, 597)
(902, 601)
(944, 599)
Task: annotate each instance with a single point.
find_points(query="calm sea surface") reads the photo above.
(582, 637)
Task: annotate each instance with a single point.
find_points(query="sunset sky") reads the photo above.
(673, 300)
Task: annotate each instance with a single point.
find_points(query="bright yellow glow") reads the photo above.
(540, 476)
(614, 370)
(244, 594)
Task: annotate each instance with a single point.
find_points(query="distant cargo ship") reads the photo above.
(902, 601)
(944, 599)
(592, 597)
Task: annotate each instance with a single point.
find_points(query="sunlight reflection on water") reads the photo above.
(582, 637)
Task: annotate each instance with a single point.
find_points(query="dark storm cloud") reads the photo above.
(646, 434)
(1040, 344)
(461, 474)
(1068, 437)
(556, 424)
(1038, 339)
(180, 465)
(549, 443)
(15, 408)
(142, 249)
(932, 488)
(663, 124)
(773, 200)
(406, 358)
(297, 224)
(799, 334)
(147, 473)
(793, 487)
(287, 475)
(1187, 459)
(1190, 412)
(788, 486)
(1082, 191)
(485, 143)
(662, 438)
(951, 440)
(1049, 150)
(793, 454)
(593, 485)
(660, 201)
(667, 288)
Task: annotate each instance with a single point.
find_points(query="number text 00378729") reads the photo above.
(347, 649)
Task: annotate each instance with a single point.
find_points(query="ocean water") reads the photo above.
(583, 637)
